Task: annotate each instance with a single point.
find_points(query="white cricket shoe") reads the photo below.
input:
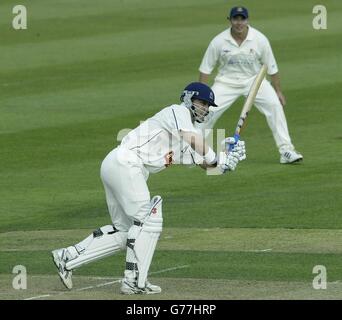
(290, 157)
(60, 259)
(130, 287)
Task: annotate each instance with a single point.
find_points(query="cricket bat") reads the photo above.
(244, 113)
(248, 104)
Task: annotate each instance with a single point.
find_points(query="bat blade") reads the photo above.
(248, 103)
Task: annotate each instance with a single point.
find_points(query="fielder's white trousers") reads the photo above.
(124, 178)
(266, 101)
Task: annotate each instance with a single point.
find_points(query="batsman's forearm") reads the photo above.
(197, 143)
(203, 77)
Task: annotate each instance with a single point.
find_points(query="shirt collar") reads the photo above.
(250, 34)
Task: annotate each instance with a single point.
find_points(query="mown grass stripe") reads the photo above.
(277, 240)
(263, 266)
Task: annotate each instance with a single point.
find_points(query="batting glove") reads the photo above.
(239, 147)
(227, 162)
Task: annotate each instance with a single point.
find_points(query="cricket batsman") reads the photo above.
(239, 52)
(137, 222)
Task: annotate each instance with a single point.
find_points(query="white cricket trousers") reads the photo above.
(124, 178)
(266, 101)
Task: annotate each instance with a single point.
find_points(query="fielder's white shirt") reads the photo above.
(159, 136)
(238, 64)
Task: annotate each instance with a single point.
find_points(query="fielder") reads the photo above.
(240, 52)
(167, 137)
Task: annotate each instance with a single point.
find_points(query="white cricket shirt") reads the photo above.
(158, 138)
(237, 64)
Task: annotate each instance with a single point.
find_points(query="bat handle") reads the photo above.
(230, 147)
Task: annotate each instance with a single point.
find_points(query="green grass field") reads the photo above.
(85, 70)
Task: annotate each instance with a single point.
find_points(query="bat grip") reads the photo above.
(230, 147)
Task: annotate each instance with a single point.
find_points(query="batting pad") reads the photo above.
(102, 243)
(146, 242)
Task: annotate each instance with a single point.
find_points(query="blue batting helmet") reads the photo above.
(200, 91)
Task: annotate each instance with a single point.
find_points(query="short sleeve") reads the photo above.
(268, 58)
(210, 59)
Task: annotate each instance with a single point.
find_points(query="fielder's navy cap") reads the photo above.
(238, 11)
